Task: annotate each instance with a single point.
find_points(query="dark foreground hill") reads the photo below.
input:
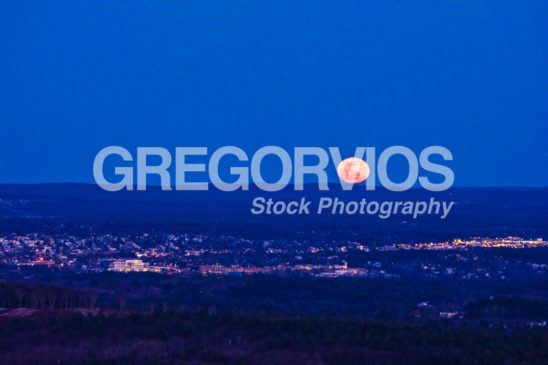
(157, 337)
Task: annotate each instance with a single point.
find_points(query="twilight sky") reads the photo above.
(469, 75)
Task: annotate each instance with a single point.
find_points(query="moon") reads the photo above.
(353, 170)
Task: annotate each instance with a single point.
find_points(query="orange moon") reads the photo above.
(353, 170)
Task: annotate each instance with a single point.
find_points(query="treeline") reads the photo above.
(205, 336)
(40, 296)
(394, 299)
(508, 307)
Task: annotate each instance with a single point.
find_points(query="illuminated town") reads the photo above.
(507, 242)
(202, 254)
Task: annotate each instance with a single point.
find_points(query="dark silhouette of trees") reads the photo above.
(93, 297)
(249, 338)
(122, 300)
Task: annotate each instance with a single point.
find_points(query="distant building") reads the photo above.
(448, 314)
(129, 265)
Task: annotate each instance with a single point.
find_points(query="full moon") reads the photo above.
(353, 170)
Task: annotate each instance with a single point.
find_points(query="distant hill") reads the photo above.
(477, 212)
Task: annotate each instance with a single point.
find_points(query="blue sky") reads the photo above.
(78, 76)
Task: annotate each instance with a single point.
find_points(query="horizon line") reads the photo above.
(289, 184)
